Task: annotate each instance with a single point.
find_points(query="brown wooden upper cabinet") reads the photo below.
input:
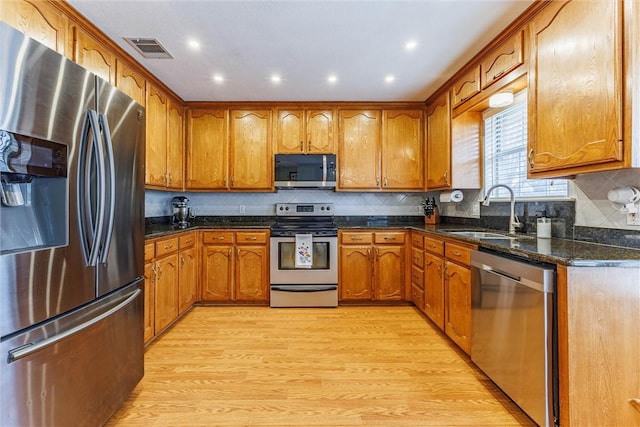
(576, 88)
(466, 87)
(41, 21)
(302, 131)
(131, 81)
(359, 150)
(251, 161)
(502, 60)
(438, 171)
(94, 56)
(207, 149)
(402, 150)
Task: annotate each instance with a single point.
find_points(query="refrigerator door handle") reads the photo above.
(30, 348)
(110, 196)
(90, 226)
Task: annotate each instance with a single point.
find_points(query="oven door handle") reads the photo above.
(304, 288)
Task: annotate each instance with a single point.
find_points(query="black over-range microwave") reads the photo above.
(305, 170)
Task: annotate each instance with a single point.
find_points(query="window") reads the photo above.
(505, 154)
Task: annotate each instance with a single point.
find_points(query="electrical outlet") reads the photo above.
(243, 209)
(633, 219)
(475, 210)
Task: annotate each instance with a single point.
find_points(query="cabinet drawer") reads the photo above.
(417, 277)
(149, 251)
(251, 237)
(357, 237)
(417, 296)
(417, 240)
(217, 237)
(434, 245)
(389, 237)
(166, 246)
(187, 241)
(417, 257)
(502, 60)
(457, 253)
(465, 88)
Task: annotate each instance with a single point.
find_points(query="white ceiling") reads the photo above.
(304, 41)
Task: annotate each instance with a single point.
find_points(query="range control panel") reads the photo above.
(304, 209)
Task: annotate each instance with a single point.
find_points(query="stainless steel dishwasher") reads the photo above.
(512, 334)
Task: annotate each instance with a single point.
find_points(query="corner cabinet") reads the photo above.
(251, 161)
(576, 88)
(207, 149)
(438, 171)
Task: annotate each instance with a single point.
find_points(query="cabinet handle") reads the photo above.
(377, 181)
(446, 177)
(232, 180)
(167, 247)
(229, 255)
(158, 272)
(390, 238)
(498, 75)
(153, 270)
(635, 402)
(356, 238)
(530, 157)
(181, 260)
(456, 253)
(369, 253)
(310, 145)
(377, 252)
(301, 146)
(440, 270)
(250, 238)
(386, 183)
(464, 99)
(432, 246)
(224, 181)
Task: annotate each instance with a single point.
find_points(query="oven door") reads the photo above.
(324, 269)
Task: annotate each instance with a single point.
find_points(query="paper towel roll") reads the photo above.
(454, 196)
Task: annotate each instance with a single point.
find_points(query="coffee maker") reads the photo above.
(181, 212)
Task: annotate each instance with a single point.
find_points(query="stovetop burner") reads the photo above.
(298, 218)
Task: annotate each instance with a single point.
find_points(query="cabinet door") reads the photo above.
(175, 146)
(188, 284)
(252, 278)
(290, 135)
(131, 82)
(465, 88)
(458, 305)
(251, 158)
(575, 122)
(207, 150)
(149, 298)
(359, 150)
(321, 132)
(94, 56)
(434, 288)
(156, 139)
(505, 58)
(166, 292)
(402, 155)
(389, 273)
(439, 144)
(40, 21)
(217, 272)
(356, 273)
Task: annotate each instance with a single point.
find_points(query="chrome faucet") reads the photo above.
(513, 219)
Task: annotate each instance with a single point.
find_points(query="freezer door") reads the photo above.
(44, 95)
(77, 370)
(121, 258)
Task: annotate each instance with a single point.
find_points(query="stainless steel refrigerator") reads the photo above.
(71, 239)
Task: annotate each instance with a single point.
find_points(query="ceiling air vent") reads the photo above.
(149, 48)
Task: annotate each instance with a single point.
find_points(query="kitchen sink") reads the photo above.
(482, 235)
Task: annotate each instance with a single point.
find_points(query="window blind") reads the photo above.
(505, 155)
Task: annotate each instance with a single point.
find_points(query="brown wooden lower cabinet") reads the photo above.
(372, 265)
(235, 266)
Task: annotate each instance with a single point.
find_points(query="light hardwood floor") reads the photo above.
(349, 366)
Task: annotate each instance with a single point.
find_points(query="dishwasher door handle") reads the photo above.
(502, 273)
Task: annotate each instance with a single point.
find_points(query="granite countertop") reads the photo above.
(554, 251)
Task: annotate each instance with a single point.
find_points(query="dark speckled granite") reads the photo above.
(554, 251)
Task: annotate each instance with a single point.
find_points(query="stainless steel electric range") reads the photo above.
(304, 256)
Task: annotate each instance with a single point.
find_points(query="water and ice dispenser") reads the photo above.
(34, 196)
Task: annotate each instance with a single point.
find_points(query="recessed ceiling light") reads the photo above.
(218, 78)
(193, 44)
(411, 44)
(332, 78)
(389, 79)
(276, 79)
